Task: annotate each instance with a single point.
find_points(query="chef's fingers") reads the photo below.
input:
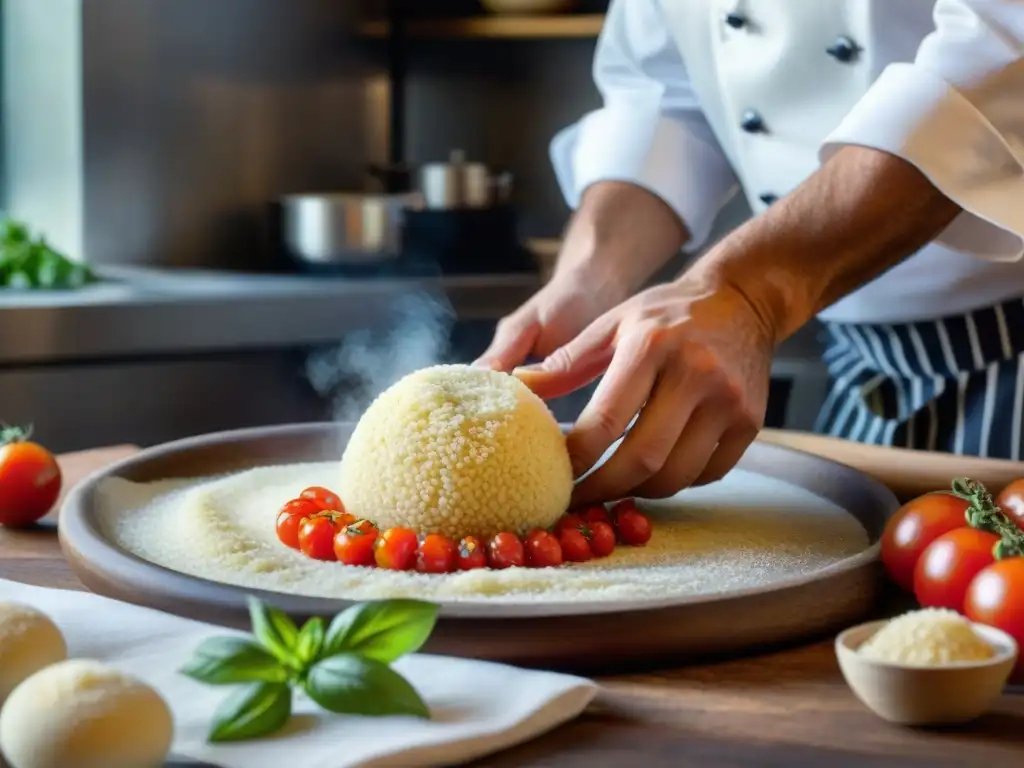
(690, 454)
(623, 390)
(573, 365)
(514, 339)
(646, 447)
(731, 447)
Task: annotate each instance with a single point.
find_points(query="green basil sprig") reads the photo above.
(30, 262)
(343, 666)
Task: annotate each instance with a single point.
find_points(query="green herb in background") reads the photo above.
(27, 262)
(343, 666)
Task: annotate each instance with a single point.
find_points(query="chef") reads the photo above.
(880, 144)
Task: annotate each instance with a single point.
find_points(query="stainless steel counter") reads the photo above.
(153, 312)
(159, 355)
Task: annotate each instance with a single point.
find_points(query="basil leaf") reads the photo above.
(355, 685)
(255, 710)
(230, 660)
(384, 630)
(274, 629)
(310, 641)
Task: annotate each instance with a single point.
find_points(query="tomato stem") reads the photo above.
(985, 515)
(9, 434)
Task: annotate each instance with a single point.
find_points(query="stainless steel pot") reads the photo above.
(461, 184)
(345, 228)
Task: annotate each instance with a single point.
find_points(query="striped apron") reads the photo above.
(955, 384)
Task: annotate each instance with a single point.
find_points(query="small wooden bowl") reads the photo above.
(909, 695)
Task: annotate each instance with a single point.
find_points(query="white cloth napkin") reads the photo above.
(477, 708)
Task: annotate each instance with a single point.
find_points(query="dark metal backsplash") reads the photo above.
(196, 113)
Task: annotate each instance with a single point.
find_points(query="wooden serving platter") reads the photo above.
(688, 628)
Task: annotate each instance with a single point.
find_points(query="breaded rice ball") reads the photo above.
(457, 450)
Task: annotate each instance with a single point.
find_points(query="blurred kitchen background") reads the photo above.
(183, 150)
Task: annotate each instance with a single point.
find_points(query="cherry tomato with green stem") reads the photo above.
(602, 539)
(949, 564)
(575, 546)
(353, 544)
(316, 537)
(570, 521)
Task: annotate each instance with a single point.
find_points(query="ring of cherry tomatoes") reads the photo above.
(930, 549)
(316, 524)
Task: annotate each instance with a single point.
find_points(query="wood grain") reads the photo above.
(495, 27)
(787, 708)
(906, 473)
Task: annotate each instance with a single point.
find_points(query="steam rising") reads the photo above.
(367, 362)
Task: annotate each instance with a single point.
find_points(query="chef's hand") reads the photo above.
(620, 236)
(553, 317)
(693, 360)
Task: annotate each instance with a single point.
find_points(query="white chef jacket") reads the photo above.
(703, 98)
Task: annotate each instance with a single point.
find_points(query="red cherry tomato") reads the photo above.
(596, 514)
(622, 506)
(575, 547)
(316, 537)
(1011, 501)
(996, 597)
(506, 551)
(30, 478)
(602, 539)
(290, 518)
(436, 554)
(353, 544)
(915, 525)
(395, 549)
(632, 527)
(323, 498)
(571, 520)
(471, 554)
(543, 550)
(947, 566)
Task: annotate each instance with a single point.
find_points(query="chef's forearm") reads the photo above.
(863, 212)
(620, 235)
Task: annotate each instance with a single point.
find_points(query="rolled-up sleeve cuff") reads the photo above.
(665, 156)
(916, 115)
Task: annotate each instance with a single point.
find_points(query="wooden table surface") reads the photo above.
(787, 708)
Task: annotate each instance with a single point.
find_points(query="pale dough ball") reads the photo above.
(457, 450)
(84, 714)
(29, 641)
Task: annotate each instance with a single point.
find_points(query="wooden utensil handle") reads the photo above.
(907, 473)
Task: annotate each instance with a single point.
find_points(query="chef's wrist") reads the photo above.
(619, 237)
(778, 299)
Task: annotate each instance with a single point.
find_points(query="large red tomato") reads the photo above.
(30, 478)
(949, 564)
(1011, 501)
(914, 526)
(996, 597)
